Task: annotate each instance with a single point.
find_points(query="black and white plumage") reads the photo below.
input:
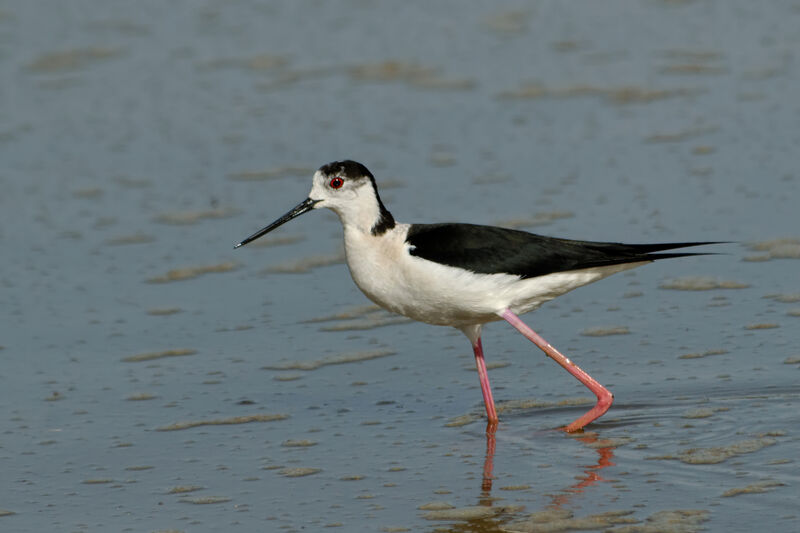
(490, 250)
(463, 275)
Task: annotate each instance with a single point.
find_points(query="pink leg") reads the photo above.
(604, 397)
(491, 413)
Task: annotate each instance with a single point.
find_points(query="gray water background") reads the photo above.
(140, 140)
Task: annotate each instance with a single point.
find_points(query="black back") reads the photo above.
(492, 250)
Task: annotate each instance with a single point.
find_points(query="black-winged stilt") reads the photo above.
(464, 275)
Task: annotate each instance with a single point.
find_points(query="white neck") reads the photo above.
(361, 215)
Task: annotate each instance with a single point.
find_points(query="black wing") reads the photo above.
(492, 250)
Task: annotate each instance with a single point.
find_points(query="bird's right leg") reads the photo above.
(604, 397)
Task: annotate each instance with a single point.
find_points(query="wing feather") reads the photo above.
(490, 250)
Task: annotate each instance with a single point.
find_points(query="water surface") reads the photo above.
(153, 379)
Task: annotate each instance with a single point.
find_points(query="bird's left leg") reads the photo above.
(604, 397)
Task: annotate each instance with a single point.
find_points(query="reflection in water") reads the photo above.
(492, 522)
(488, 461)
(591, 472)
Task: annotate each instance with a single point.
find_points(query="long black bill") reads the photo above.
(303, 207)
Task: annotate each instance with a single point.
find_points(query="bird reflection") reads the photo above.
(493, 522)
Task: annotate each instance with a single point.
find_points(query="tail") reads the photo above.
(646, 250)
(600, 254)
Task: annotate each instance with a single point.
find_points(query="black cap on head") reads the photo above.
(349, 168)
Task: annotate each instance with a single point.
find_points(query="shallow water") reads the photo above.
(153, 379)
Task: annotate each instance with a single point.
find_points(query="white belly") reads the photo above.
(423, 290)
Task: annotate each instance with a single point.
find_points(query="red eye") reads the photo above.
(336, 182)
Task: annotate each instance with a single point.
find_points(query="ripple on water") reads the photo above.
(700, 283)
(754, 488)
(787, 248)
(718, 454)
(300, 471)
(181, 274)
(150, 356)
(75, 59)
(247, 419)
(339, 359)
(557, 520)
(183, 218)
